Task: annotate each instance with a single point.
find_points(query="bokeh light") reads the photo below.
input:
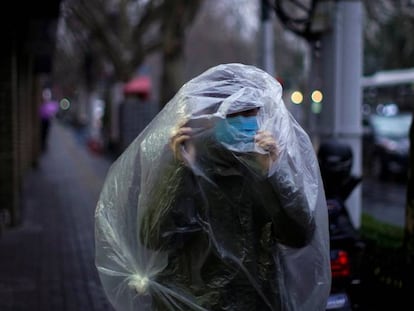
(64, 104)
(296, 97)
(317, 96)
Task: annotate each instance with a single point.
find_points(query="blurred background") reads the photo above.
(90, 75)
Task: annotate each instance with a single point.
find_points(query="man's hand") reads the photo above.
(266, 141)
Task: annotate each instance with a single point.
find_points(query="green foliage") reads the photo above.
(384, 235)
(385, 272)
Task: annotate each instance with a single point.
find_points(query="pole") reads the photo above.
(267, 39)
(341, 116)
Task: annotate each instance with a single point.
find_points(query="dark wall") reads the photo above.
(27, 39)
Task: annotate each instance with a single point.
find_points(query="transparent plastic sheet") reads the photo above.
(220, 232)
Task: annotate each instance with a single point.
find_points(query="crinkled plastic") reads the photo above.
(220, 232)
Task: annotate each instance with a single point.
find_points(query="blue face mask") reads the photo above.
(238, 129)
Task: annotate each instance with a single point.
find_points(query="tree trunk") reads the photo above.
(176, 18)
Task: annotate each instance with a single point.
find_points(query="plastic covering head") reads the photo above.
(229, 225)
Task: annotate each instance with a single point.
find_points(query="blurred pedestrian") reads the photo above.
(47, 112)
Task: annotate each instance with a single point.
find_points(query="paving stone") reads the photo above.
(47, 263)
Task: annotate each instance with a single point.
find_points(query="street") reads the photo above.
(384, 200)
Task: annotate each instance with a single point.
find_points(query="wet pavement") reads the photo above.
(47, 263)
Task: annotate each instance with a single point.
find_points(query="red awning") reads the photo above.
(138, 85)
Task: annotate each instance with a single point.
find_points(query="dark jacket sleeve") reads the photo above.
(286, 203)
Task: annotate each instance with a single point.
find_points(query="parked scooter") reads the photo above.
(335, 161)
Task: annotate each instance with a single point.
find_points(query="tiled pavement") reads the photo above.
(47, 264)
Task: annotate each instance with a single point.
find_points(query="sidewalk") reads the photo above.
(48, 262)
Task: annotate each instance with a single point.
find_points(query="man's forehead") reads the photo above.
(246, 113)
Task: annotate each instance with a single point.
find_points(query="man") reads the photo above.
(230, 212)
